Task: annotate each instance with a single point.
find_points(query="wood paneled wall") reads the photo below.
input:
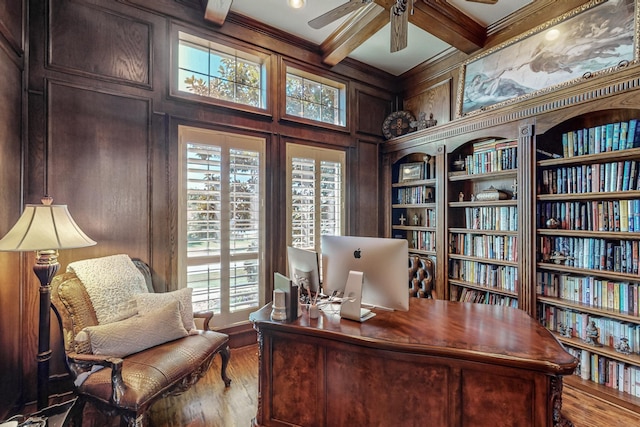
(11, 279)
(102, 138)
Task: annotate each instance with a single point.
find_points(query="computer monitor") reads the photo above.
(303, 269)
(383, 261)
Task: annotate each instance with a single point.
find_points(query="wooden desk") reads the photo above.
(439, 364)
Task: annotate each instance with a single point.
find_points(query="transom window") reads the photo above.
(215, 71)
(314, 97)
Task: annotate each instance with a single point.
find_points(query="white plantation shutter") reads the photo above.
(315, 192)
(222, 222)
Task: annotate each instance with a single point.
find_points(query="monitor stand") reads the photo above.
(351, 301)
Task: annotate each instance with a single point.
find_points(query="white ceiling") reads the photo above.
(422, 46)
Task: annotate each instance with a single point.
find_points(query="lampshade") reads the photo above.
(44, 227)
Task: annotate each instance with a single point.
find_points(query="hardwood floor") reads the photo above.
(209, 404)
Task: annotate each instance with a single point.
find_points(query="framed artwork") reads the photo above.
(411, 171)
(596, 38)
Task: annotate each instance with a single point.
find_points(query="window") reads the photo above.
(315, 98)
(315, 190)
(212, 70)
(221, 221)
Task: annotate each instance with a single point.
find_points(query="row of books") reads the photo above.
(492, 156)
(615, 296)
(503, 218)
(620, 256)
(596, 178)
(415, 195)
(600, 215)
(606, 371)
(482, 297)
(574, 324)
(423, 240)
(599, 139)
(484, 246)
(492, 276)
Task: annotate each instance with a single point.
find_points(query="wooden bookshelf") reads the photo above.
(482, 222)
(587, 248)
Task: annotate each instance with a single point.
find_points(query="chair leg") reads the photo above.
(75, 416)
(134, 420)
(225, 353)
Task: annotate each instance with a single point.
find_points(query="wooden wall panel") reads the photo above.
(11, 281)
(371, 111)
(98, 166)
(366, 192)
(104, 44)
(11, 24)
(434, 100)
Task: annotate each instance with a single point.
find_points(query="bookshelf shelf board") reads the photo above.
(416, 183)
(413, 228)
(510, 173)
(630, 154)
(422, 252)
(608, 394)
(585, 233)
(611, 275)
(586, 308)
(481, 203)
(414, 206)
(484, 260)
(607, 195)
(632, 359)
(487, 232)
(477, 287)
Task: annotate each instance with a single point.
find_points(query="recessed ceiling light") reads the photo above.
(296, 4)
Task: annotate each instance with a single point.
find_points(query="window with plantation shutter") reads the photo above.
(222, 222)
(315, 194)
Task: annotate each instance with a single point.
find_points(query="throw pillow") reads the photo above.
(111, 283)
(137, 333)
(148, 301)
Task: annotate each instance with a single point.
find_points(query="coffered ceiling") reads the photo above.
(435, 26)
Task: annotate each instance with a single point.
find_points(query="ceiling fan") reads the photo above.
(399, 18)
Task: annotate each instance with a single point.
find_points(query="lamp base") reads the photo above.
(45, 268)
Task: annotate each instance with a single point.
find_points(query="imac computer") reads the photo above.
(382, 261)
(303, 269)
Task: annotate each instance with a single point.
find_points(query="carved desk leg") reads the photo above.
(556, 396)
(258, 419)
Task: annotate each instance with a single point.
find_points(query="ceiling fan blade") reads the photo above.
(484, 1)
(336, 13)
(399, 18)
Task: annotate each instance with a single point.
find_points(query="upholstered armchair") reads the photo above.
(126, 364)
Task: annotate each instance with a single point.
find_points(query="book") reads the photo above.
(624, 215)
(616, 137)
(624, 128)
(608, 137)
(631, 133)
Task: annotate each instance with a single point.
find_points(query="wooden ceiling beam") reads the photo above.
(216, 11)
(367, 21)
(439, 18)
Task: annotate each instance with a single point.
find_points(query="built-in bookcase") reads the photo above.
(483, 222)
(588, 236)
(414, 198)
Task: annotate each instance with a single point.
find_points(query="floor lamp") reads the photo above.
(44, 229)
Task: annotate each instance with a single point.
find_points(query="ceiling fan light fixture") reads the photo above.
(296, 4)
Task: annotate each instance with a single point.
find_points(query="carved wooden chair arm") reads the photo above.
(206, 316)
(84, 363)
